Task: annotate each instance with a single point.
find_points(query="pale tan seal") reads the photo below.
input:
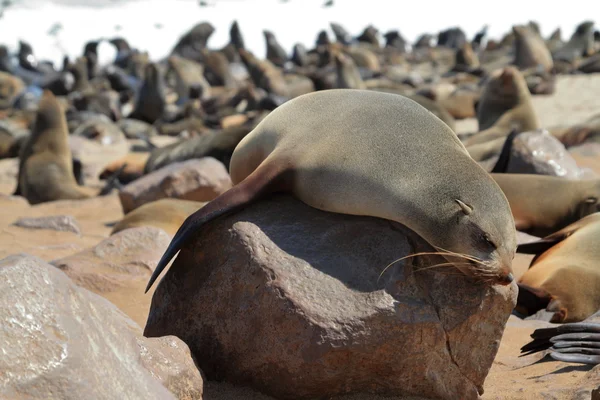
(367, 153)
(46, 165)
(566, 271)
(542, 205)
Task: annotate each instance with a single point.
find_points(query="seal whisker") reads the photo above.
(405, 257)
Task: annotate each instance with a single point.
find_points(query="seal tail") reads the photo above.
(263, 181)
(502, 163)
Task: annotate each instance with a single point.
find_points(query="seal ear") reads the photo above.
(467, 209)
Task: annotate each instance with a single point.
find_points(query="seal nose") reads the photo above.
(507, 279)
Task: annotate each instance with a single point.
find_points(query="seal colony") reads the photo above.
(353, 125)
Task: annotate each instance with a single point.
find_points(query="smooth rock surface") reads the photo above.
(286, 299)
(538, 152)
(118, 268)
(197, 180)
(62, 223)
(60, 341)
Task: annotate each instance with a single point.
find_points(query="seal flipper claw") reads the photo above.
(259, 183)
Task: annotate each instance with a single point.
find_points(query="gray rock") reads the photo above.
(287, 299)
(104, 132)
(63, 223)
(198, 180)
(60, 341)
(538, 152)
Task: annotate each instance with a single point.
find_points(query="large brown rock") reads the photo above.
(198, 180)
(118, 268)
(286, 299)
(60, 341)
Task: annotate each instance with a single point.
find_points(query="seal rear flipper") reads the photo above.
(549, 338)
(264, 180)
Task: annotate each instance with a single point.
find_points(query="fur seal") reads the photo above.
(363, 150)
(216, 144)
(132, 166)
(394, 40)
(150, 104)
(275, 53)
(530, 49)
(167, 214)
(566, 268)
(192, 42)
(505, 104)
(45, 165)
(541, 205)
(188, 75)
(584, 132)
(579, 45)
(10, 88)
(370, 35)
(341, 34)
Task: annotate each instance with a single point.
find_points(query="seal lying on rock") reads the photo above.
(374, 154)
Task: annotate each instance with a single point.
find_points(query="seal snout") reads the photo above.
(506, 279)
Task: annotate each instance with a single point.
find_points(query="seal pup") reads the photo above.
(542, 205)
(167, 214)
(46, 165)
(363, 150)
(566, 267)
(505, 104)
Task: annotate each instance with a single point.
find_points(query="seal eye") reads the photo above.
(489, 241)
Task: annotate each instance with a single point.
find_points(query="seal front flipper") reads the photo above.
(263, 181)
(502, 163)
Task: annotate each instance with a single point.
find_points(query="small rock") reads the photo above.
(61, 341)
(287, 299)
(104, 132)
(63, 223)
(198, 180)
